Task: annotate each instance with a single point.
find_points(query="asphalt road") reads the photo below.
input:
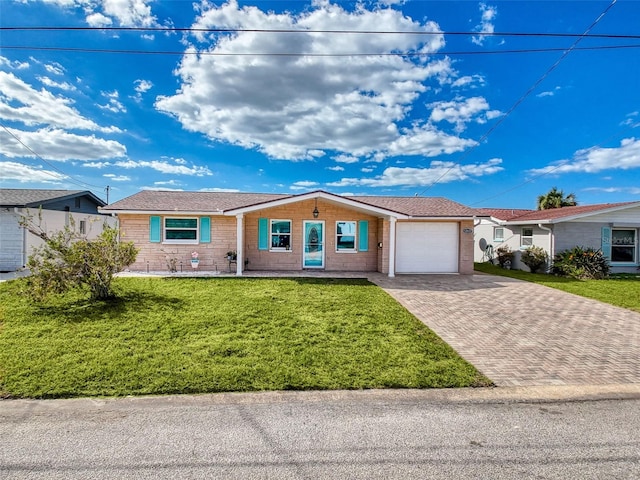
(355, 435)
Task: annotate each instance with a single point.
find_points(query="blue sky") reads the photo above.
(435, 100)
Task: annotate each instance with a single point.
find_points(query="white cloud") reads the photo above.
(53, 84)
(20, 102)
(114, 104)
(99, 20)
(367, 169)
(18, 172)
(142, 86)
(438, 171)
(462, 111)
(597, 159)
(548, 93)
(101, 13)
(346, 159)
(222, 190)
(356, 107)
(164, 167)
(13, 64)
(56, 144)
(54, 68)
(488, 14)
(303, 185)
(117, 178)
(337, 168)
(631, 120)
(630, 190)
(470, 81)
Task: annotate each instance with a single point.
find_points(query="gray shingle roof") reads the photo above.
(218, 202)
(551, 214)
(28, 197)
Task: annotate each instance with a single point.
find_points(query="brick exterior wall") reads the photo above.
(154, 256)
(292, 260)
(465, 262)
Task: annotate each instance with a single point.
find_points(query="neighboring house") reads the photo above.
(612, 227)
(316, 230)
(56, 208)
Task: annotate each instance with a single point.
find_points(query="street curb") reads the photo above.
(495, 395)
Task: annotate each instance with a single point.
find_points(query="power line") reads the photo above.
(293, 31)
(525, 95)
(291, 54)
(69, 178)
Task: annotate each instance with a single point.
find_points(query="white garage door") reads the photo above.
(427, 247)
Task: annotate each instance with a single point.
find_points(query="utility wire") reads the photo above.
(356, 32)
(525, 95)
(69, 178)
(560, 165)
(284, 54)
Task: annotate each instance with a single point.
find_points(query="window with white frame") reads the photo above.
(345, 236)
(623, 245)
(526, 237)
(180, 230)
(280, 235)
(498, 234)
(83, 227)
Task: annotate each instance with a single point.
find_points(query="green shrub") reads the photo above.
(504, 255)
(581, 262)
(534, 258)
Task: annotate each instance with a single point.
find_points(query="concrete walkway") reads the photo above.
(521, 334)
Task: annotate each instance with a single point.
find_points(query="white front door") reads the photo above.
(313, 247)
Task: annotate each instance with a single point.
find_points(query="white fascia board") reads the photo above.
(575, 217)
(446, 219)
(337, 199)
(160, 212)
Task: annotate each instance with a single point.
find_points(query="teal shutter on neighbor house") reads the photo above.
(155, 229)
(363, 235)
(263, 234)
(205, 230)
(605, 242)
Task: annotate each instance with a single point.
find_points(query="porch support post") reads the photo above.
(239, 243)
(392, 246)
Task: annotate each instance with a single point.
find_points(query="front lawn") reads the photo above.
(622, 291)
(195, 335)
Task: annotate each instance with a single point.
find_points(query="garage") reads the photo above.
(427, 247)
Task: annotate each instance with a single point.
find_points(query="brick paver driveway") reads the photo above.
(520, 333)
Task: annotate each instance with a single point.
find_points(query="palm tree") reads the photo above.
(555, 198)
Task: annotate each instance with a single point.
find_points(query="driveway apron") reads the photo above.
(520, 333)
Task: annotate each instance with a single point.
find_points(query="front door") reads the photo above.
(313, 248)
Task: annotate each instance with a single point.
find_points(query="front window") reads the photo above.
(180, 230)
(526, 239)
(498, 234)
(83, 227)
(623, 245)
(346, 236)
(280, 234)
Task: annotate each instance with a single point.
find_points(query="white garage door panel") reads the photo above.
(423, 247)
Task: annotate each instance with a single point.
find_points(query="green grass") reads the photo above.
(620, 290)
(166, 336)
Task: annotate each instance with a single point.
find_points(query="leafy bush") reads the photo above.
(581, 262)
(534, 258)
(67, 260)
(504, 255)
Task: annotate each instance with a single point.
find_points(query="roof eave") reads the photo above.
(158, 212)
(337, 199)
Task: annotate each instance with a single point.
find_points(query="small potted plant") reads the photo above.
(195, 261)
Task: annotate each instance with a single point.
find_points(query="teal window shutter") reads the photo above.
(605, 242)
(363, 235)
(155, 229)
(263, 234)
(205, 230)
